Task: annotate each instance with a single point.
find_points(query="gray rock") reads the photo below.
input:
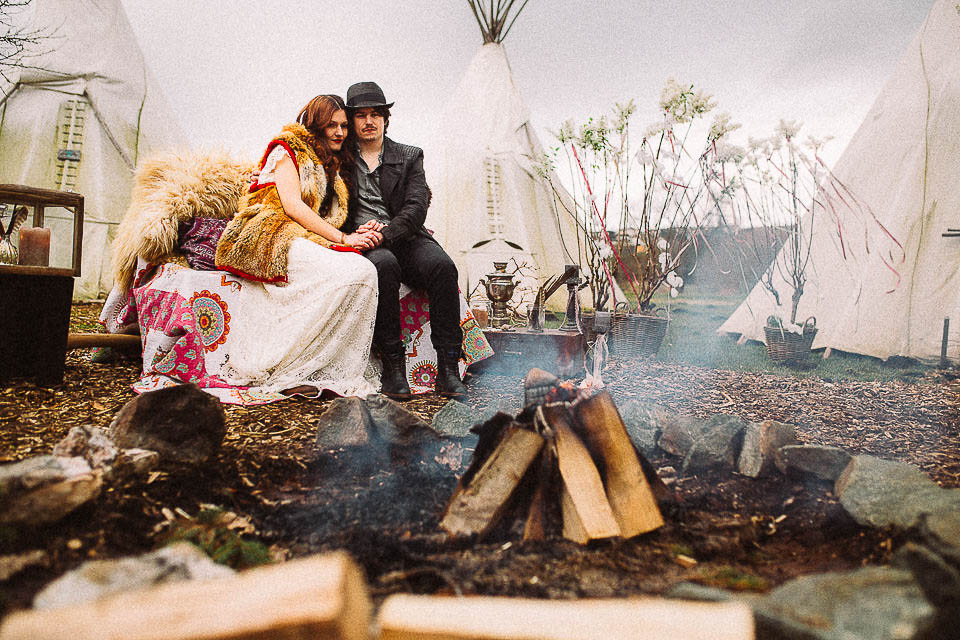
(760, 444)
(678, 433)
(345, 423)
(135, 462)
(643, 421)
(44, 489)
(90, 443)
(826, 463)
(939, 581)
(39, 471)
(182, 423)
(881, 493)
(396, 426)
(455, 419)
(873, 603)
(100, 578)
(945, 527)
(718, 446)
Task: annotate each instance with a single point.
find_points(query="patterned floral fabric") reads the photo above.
(186, 320)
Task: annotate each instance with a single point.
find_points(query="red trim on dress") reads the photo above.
(247, 276)
(256, 186)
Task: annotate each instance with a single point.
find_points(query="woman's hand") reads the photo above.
(364, 240)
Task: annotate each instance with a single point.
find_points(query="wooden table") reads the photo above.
(36, 301)
(516, 351)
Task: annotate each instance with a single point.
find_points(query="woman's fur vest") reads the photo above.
(256, 242)
(169, 190)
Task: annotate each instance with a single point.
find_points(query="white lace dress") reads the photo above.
(315, 330)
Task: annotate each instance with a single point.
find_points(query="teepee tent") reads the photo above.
(78, 120)
(491, 204)
(902, 165)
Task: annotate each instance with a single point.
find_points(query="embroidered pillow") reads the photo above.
(198, 241)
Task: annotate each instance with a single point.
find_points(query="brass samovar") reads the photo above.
(500, 287)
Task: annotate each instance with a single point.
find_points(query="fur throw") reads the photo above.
(169, 190)
(256, 243)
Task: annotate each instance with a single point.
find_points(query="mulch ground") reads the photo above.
(743, 533)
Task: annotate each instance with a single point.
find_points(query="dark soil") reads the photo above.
(743, 533)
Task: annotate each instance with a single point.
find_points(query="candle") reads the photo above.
(35, 246)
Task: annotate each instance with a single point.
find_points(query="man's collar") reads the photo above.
(391, 152)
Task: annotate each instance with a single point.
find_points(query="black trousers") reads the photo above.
(419, 263)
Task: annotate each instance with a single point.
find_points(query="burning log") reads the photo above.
(563, 467)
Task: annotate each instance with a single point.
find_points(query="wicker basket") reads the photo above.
(786, 347)
(636, 335)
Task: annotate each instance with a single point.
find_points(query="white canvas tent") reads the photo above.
(491, 205)
(903, 163)
(92, 97)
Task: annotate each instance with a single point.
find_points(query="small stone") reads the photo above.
(74, 543)
(99, 578)
(44, 489)
(90, 443)
(182, 423)
(397, 426)
(678, 433)
(345, 423)
(717, 448)
(135, 462)
(760, 444)
(826, 463)
(455, 419)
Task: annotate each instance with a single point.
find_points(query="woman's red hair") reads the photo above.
(315, 116)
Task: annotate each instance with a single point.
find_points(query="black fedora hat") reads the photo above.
(366, 94)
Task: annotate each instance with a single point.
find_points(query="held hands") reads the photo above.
(371, 225)
(364, 240)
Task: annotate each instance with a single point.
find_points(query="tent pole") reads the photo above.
(943, 344)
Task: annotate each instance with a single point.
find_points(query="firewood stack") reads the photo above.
(564, 464)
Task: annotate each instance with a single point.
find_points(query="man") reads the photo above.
(392, 198)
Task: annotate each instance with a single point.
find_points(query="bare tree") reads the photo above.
(18, 44)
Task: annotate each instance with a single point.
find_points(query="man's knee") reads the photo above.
(443, 269)
(386, 264)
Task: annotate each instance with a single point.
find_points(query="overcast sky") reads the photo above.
(235, 71)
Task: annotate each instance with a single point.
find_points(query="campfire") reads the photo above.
(565, 465)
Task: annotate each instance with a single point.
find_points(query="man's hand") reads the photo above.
(371, 225)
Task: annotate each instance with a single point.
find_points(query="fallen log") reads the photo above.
(115, 340)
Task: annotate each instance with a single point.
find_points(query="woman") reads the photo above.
(310, 322)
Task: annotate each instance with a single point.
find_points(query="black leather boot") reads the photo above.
(449, 384)
(393, 380)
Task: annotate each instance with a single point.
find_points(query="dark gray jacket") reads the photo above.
(405, 192)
